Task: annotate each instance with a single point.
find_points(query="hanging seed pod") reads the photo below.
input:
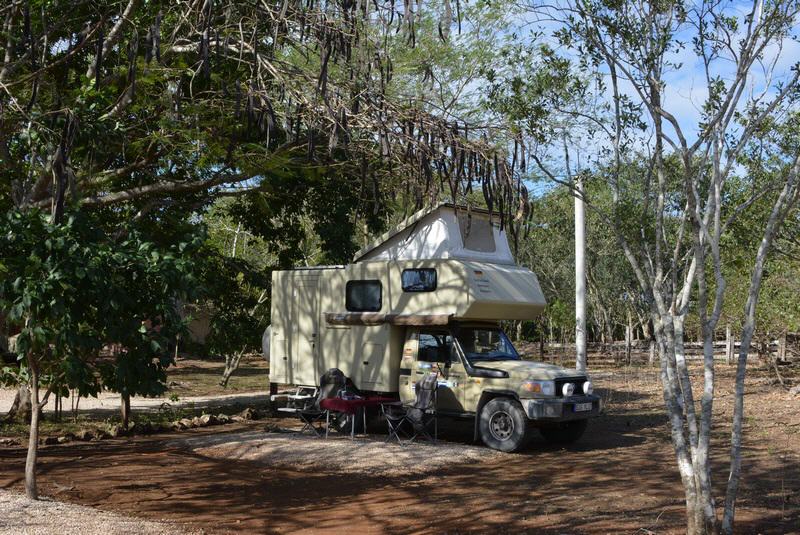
(322, 81)
(488, 193)
(375, 195)
(148, 46)
(514, 157)
(99, 59)
(34, 95)
(252, 108)
(344, 126)
(310, 143)
(238, 102)
(27, 38)
(133, 47)
(157, 35)
(297, 124)
(502, 212)
(272, 120)
(446, 21)
(205, 45)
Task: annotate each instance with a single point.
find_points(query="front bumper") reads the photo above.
(561, 409)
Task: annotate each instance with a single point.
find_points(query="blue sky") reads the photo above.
(686, 88)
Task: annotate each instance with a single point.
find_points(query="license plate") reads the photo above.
(583, 407)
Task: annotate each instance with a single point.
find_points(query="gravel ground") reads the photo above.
(337, 453)
(108, 401)
(21, 516)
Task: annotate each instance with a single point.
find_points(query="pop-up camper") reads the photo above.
(428, 296)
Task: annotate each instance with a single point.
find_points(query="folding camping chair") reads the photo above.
(308, 410)
(295, 400)
(419, 415)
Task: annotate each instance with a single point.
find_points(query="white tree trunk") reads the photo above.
(580, 277)
(236, 239)
(786, 200)
(628, 339)
(728, 344)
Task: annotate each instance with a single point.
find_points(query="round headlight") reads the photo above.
(588, 388)
(568, 389)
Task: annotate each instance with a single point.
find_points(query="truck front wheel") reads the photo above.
(564, 433)
(503, 425)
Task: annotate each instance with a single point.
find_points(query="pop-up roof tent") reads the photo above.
(443, 232)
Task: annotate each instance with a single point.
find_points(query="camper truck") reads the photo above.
(428, 296)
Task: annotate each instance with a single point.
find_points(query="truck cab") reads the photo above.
(482, 376)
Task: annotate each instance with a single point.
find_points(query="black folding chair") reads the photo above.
(311, 414)
(420, 415)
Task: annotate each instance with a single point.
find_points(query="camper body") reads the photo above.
(394, 315)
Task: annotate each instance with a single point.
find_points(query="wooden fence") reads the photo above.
(784, 350)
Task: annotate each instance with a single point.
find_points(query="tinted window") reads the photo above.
(419, 280)
(435, 347)
(363, 296)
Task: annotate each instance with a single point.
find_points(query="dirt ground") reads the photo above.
(370, 455)
(620, 478)
(21, 516)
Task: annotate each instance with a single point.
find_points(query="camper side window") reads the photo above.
(363, 296)
(419, 280)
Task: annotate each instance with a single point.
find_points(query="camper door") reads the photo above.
(304, 366)
(436, 353)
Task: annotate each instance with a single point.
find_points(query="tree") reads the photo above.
(669, 221)
(70, 290)
(147, 104)
(236, 295)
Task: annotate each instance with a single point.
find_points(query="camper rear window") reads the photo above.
(363, 296)
(419, 280)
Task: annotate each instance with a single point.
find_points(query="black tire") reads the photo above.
(565, 432)
(503, 425)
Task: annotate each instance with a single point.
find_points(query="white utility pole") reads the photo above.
(580, 277)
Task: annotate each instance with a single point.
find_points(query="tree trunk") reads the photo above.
(628, 339)
(728, 344)
(580, 278)
(787, 198)
(670, 343)
(20, 410)
(652, 358)
(236, 239)
(125, 409)
(782, 347)
(231, 365)
(33, 436)
(3, 335)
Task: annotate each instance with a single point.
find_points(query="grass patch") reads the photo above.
(192, 377)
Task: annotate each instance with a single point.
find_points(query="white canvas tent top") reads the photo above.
(443, 232)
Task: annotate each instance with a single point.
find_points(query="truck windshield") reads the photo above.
(485, 344)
